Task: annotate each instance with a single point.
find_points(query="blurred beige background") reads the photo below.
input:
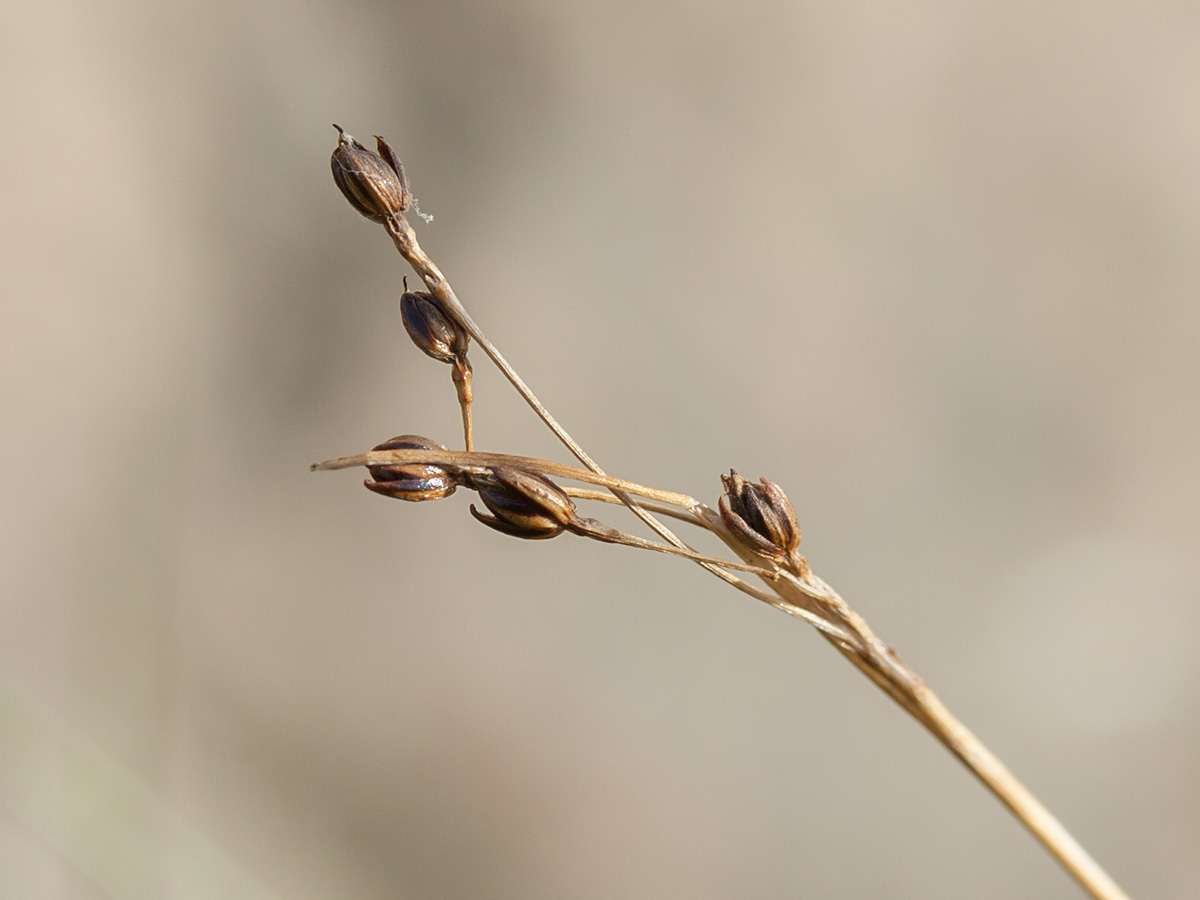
(931, 266)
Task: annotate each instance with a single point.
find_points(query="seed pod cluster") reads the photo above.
(521, 503)
(376, 186)
(760, 515)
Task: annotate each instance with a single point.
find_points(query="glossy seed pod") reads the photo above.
(411, 481)
(374, 183)
(760, 515)
(431, 327)
(523, 505)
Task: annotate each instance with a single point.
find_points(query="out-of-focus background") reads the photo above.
(931, 266)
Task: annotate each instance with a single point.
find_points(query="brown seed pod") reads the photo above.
(760, 515)
(432, 328)
(374, 183)
(524, 505)
(411, 481)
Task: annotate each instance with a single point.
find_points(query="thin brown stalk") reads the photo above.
(460, 373)
(613, 536)
(1024, 805)
(761, 530)
(659, 509)
(405, 239)
(893, 676)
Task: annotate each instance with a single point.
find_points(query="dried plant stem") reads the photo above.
(802, 594)
(923, 704)
(919, 700)
(659, 509)
(794, 588)
(882, 665)
(993, 773)
(460, 373)
(613, 536)
(405, 239)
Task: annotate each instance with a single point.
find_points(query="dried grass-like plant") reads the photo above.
(524, 499)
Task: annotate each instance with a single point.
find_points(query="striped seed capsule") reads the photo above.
(524, 505)
(411, 481)
(760, 515)
(374, 183)
(432, 328)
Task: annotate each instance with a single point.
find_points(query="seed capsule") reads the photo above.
(524, 505)
(431, 327)
(760, 515)
(374, 183)
(411, 481)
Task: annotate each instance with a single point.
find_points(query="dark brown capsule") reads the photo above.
(431, 326)
(760, 515)
(411, 481)
(374, 183)
(523, 505)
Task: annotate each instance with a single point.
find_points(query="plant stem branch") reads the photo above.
(799, 592)
(405, 239)
(856, 641)
(1023, 804)
(694, 511)
(460, 374)
(478, 460)
(590, 528)
(659, 509)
